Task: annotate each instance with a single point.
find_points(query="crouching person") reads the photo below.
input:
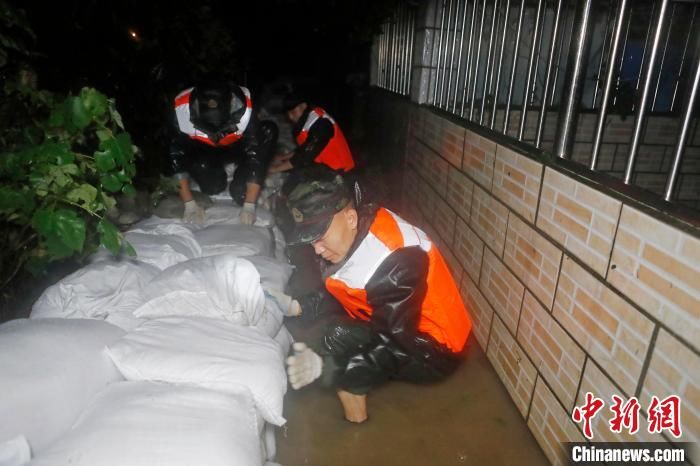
(403, 315)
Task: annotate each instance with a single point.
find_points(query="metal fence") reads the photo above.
(499, 63)
(395, 51)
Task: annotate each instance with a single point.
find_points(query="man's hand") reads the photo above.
(193, 213)
(290, 307)
(247, 215)
(304, 366)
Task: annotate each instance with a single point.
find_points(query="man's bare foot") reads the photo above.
(355, 406)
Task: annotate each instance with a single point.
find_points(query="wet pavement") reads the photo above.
(467, 419)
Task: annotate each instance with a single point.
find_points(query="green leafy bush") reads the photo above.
(58, 176)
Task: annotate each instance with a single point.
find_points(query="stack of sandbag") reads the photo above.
(203, 353)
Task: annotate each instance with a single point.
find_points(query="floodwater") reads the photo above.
(467, 419)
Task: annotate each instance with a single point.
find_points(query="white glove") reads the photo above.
(289, 307)
(304, 367)
(193, 213)
(247, 215)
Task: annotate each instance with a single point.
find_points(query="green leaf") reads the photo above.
(119, 149)
(104, 161)
(70, 169)
(104, 134)
(70, 228)
(55, 152)
(111, 183)
(43, 221)
(94, 102)
(79, 114)
(12, 200)
(62, 229)
(129, 190)
(108, 201)
(109, 236)
(85, 194)
(58, 176)
(129, 249)
(57, 248)
(116, 117)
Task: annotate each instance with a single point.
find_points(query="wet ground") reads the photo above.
(467, 419)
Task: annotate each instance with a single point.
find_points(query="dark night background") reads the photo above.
(144, 52)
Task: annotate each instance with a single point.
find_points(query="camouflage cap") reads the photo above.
(313, 203)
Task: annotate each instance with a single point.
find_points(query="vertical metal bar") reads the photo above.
(560, 51)
(624, 53)
(395, 53)
(538, 55)
(404, 49)
(437, 63)
(682, 64)
(387, 51)
(487, 75)
(494, 105)
(467, 79)
(478, 56)
(646, 46)
(382, 37)
(569, 113)
(399, 50)
(683, 135)
(533, 49)
(389, 55)
(411, 37)
(506, 115)
(641, 110)
(607, 87)
(448, 36)
(379, 60)
(663, 57)
(452, 67)
(602, 55)
(432, 53)
(459, 62)
(548, 75)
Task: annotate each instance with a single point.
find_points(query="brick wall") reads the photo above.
(572, 288)
(655, 151)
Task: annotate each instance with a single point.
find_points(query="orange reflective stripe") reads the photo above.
(183, 98)
(229, 139)
(203, 139)
(353, 300)
(386, 228)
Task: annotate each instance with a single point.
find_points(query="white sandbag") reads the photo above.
(221, 286)
(239, 240)
(271, 320)
(152, 424)
(49, 370)
(273, 273)
(96, 290)
(209, 353)
(163, 244)
(284, 339)
(226, 211)
(15, 452)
